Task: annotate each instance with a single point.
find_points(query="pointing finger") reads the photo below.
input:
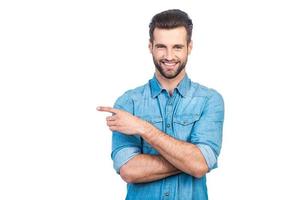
(107, 109)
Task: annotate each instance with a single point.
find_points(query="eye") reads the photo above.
(160, 47)
(178, 47)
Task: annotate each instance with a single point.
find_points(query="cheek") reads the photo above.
(158, 55)
(182, 55)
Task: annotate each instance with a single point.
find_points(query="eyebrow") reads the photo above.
(176, 45)
(160, 45)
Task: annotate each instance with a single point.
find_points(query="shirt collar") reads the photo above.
(182, 87)
(155, 87)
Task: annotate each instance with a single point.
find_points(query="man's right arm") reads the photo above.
(146, 168)
(129, 162)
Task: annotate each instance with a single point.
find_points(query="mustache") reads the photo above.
(169, 61)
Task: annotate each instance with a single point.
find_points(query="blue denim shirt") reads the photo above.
(193, 114)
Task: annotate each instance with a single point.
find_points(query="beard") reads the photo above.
(166, 74)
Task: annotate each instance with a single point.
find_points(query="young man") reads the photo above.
(167, 133)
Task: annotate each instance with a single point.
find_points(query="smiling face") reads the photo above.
(170, 51)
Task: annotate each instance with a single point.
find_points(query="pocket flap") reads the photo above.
(151, 119)
(186, 119)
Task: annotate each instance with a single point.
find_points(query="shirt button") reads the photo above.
(166, 193)
(168, 125)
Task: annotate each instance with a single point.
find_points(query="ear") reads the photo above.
(190, 47)
(150, 46)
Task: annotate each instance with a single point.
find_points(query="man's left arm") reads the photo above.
(183, 155)
(199, 156)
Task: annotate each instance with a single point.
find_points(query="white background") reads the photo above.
(60, 59)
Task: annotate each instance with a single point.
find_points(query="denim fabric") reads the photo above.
(193, 113)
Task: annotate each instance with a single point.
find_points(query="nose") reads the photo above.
(169, 54)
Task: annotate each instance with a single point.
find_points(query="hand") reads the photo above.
(123, 121)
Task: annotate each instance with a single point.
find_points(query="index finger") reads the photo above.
(107, 109)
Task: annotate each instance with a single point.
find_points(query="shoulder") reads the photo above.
(198, 90)
(134, 93)
(129, 96)
(211, 95)
(213, 101)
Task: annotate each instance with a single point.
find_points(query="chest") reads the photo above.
(174, 116)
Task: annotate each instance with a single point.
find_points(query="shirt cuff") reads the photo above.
(123, 156)
(209, 155)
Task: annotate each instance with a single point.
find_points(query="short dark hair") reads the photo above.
(171, 19)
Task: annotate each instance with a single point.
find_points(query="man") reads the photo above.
(167, 133)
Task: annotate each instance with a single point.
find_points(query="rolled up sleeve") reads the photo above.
(207, 131)
(124, 147)
(209, 155)
(123, 156)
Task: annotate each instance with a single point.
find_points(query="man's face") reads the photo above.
(170, 51)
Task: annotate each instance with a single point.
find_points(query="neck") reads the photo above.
(170, 84)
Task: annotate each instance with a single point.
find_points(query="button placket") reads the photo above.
(169, 110)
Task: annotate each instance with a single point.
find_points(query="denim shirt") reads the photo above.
(193, 113)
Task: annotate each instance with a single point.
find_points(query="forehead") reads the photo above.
(170, 36)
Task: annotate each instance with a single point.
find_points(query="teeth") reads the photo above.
(170, 64)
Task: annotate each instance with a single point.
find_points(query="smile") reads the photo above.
(169, 64)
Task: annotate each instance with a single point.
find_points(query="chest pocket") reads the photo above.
(156, 121)
(183, 125)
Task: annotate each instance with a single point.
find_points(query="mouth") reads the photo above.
(169, 65)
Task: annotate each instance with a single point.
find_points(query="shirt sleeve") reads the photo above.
(124, 147)
(207, 131)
